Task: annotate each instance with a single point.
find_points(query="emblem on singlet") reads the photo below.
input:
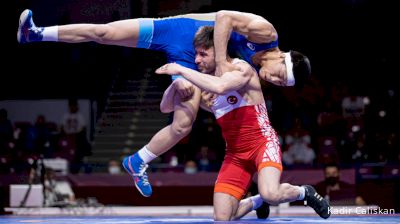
(232, 99)
(250, 46)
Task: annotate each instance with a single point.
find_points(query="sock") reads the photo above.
(302, 194)
(257, 201)
(50, 33)
(146, 155)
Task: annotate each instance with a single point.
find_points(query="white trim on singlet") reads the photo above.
(224, 104)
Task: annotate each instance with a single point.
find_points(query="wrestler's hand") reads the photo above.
(223, 67)
(184, 88)
(170, 69)
(208, 98)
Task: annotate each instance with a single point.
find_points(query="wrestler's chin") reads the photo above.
(202, 69)
(206, 71)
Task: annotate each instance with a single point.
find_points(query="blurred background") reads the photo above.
(342, 129)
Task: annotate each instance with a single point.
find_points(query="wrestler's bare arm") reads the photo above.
(254, 27)
(229, 81)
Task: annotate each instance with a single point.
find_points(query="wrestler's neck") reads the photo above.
(262, 57)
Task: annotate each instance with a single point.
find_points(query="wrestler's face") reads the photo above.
(274, 71)
(205, 60)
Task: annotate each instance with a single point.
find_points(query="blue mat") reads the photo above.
(194, 220)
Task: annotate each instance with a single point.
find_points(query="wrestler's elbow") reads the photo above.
(220, 89)
(223, 15)
(102, 33)
(166, 110)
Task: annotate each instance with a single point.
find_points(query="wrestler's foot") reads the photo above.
(27, 31)
(135, 166)
(263, 211)
(316, 201)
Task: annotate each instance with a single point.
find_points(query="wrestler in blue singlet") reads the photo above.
(174, 36)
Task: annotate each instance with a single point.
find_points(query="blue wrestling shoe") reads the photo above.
(135, 166)
(27, 31)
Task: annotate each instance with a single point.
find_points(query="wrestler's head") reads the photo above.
(285, 69)
(204, 46)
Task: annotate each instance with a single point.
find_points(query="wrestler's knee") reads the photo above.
(222, 216)
(271, 196)
(103, 33)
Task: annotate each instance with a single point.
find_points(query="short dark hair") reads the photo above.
(301, 69)
(331, 164)
(204, 37)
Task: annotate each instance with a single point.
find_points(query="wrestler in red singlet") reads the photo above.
(251, 142)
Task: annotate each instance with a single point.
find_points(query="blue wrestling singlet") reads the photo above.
(174, 36)
(245, 49)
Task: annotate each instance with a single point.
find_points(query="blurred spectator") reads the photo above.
(327, 150)
(206, 159)
(336, 191)
(114, 167)
(57, 192)
(353, 106)
(190, 167)
(173, 162)
(66, 147)
(360, 151)
(353, 146)
(73, 121)
(299, 153)
(24, 147)
(73, 128)
(298, 143)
